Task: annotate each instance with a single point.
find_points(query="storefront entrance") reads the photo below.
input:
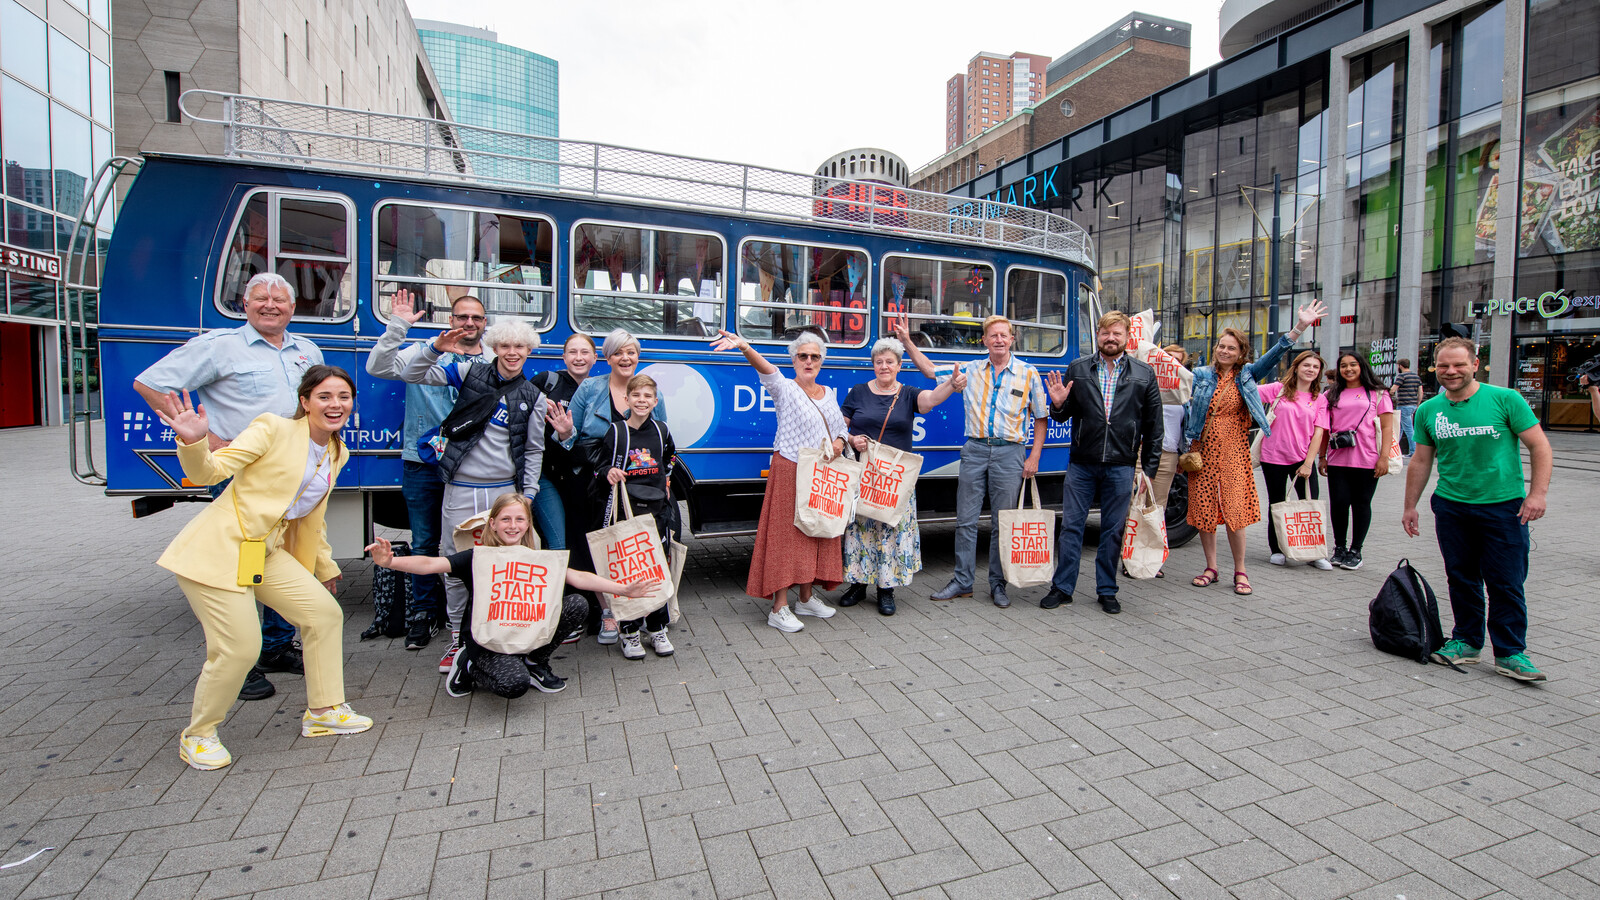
(1543, 364)
(19, 375)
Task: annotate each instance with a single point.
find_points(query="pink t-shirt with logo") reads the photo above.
(1294, 423)
(1358, 408)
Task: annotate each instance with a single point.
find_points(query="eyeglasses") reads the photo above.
(809, 357)
(470, 318)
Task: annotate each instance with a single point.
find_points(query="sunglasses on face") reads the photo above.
(470, 318)
(809, 357)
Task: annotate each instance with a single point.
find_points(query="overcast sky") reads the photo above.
(789, 84)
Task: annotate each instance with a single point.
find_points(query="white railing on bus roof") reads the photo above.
(306, 134)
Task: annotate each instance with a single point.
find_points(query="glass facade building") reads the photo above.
(55, 131)
(1383, 125)
(494, 85)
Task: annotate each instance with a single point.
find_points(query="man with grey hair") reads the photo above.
(240, 373)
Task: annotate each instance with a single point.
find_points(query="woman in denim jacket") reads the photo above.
(1223, 492)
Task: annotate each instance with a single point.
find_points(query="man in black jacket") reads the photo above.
(1115, 408)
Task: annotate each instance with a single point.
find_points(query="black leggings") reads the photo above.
(1277, 476)
(1350, 489)
(506, 675)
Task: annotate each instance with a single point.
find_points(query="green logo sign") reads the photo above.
(1549, 305)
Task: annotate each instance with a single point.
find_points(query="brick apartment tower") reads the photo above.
(989, 92)
(1005, 106)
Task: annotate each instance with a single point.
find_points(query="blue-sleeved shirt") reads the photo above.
(426, 404)
(237, 374)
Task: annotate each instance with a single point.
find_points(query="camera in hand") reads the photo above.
(1590, 367)
(1342, 440)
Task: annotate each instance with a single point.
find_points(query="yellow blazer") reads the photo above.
(266, 461)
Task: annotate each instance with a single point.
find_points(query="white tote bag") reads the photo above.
(517, 594)
(1302, 529)
(888, 477)
(1144, 539)
(825, 492)
(629, 550)
(1397, 460)
(1261, 436)
(1028, 541)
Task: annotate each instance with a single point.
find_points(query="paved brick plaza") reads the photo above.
(1198, 745)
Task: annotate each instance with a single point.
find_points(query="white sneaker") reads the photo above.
(1278, 559)
(784, 620)
(660, 644)
(814, 607)
(632, 646)
(203, 753)
(1322, 564)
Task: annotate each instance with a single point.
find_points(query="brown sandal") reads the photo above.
(1241, 584)
(1206, 578)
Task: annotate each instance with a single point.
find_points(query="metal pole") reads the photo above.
(1272, 265)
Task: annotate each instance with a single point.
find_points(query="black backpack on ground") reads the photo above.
(1404, 617)
(391, 594)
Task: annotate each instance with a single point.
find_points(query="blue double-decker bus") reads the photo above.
(352, 206)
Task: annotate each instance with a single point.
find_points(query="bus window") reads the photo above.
(946, 299)
(784, 287)
(1036, 304)
(1088, 316)
(306, 238)
(445, 253)
(646, 280)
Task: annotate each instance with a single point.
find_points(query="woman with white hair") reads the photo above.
(885, 410)
(808, 416)
(596, 404)
(493, 437)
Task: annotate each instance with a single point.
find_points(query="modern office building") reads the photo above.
(85, 78)
(1438, 166)
(55, 128)
(494, 85)
(1130, 59)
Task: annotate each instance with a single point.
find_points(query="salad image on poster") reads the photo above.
(1560, 207)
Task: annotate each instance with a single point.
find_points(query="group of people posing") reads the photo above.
(548, 454)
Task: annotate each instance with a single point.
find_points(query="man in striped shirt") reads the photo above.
(1003, 394)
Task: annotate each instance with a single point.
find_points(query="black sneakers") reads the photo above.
(540, 676)
(1350, 560)
(1055, 597)
(256, 686)
(459, 682)
(287, 659)
(418, 635)
(852, 595)
(885, 601)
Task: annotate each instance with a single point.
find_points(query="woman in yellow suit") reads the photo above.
(262, 539)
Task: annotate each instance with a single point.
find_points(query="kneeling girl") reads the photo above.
(476, 667)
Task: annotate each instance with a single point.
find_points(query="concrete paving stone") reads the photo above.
(1568, 883)
(1446, 872)
(1144, 809)
(491, 836)
(854, 883)
(964, 796)
(269, 873)
(1236, 863)
(785, 836)
(1536, 855)
(540, 856)
(739, 817)
(920, 828)
(1186, 882)
(678, 887)
(674, 847)
(348, 887)
(685, 801)
(182, 888)
(597, 876)
(465, 877)
(1327, 878)
(926, 869)
(1159, 845)
(856, 808)
(1118, 871)
(1082, 830)
(735, 869)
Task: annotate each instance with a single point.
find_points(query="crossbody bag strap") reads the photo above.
(886, 415)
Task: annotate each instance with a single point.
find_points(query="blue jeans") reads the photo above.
(424, 492)
(1087, 485)
(276, 632)
(995, 472)
(1485, 546)
(550, 514)
(1408, 430)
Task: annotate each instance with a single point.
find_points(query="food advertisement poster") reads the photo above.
(1560, 202)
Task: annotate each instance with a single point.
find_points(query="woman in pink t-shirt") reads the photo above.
(1299, 405)
(1357, 405)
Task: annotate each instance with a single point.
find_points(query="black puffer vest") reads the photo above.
(521, 402)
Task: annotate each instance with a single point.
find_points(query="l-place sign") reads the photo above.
(22, 261)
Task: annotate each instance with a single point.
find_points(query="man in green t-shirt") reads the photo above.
(1480, 513)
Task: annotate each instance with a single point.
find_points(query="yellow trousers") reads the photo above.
(233, 637)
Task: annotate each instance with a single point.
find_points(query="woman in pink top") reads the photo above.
(1349, 428)
(1299, 403)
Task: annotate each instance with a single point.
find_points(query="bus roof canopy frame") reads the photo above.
(282, 131)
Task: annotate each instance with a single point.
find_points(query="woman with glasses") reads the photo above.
(808, 416)
(595, 404)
